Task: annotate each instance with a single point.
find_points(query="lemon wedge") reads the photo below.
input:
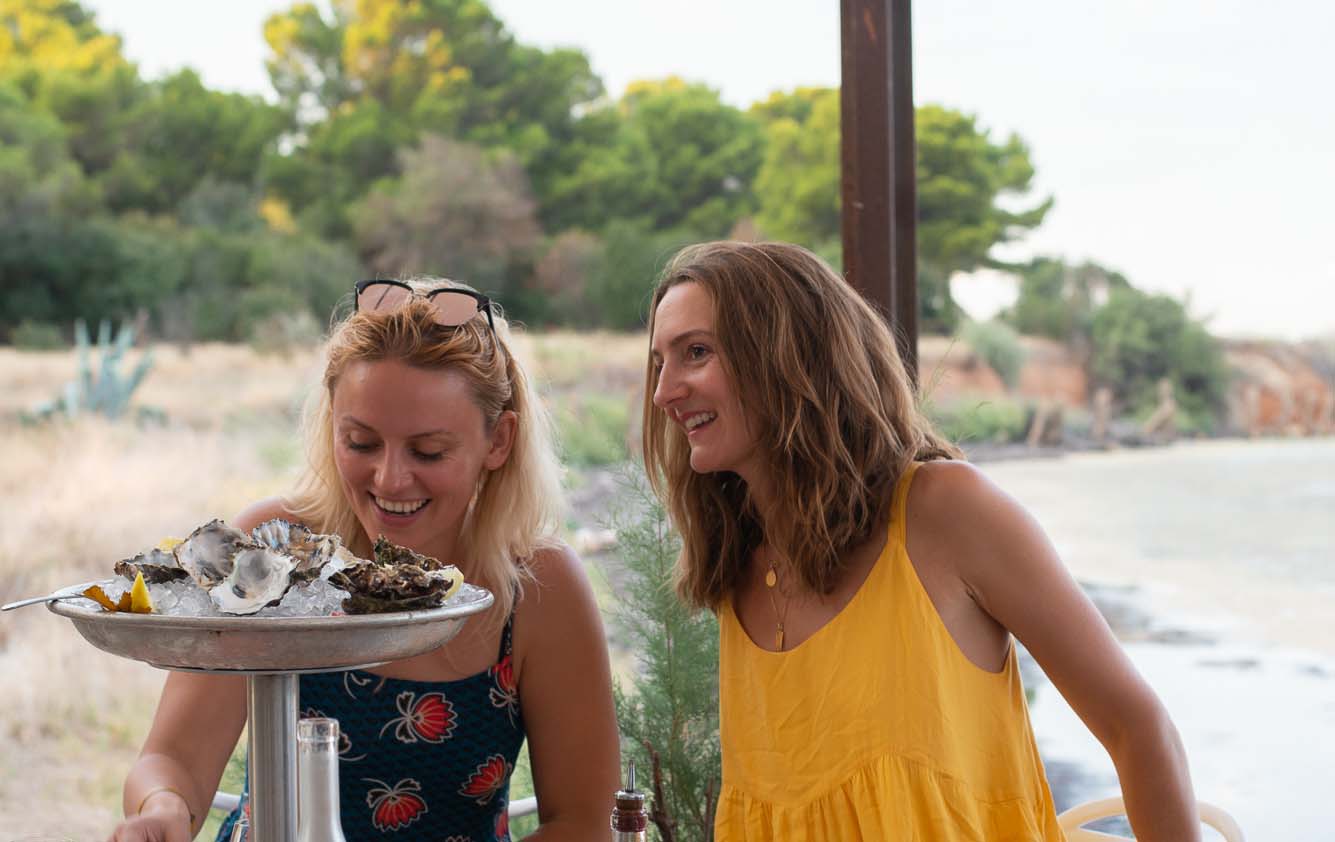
(140, 601)
(95, 593)
(455, 578)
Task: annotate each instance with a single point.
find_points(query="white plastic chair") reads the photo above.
(1072, 821)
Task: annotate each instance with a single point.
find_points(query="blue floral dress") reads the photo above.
(420, 759)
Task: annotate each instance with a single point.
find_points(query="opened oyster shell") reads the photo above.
(260, 576)
(280, 534)
(317, 555)
(207, 554)
(397, 579)
(156, 566)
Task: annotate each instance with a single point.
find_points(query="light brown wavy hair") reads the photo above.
(515, 509)
(826, 396)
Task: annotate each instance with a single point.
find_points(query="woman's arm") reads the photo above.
(195, 728)
(565, 693)
(1012, 572)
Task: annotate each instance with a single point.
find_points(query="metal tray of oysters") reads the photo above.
(277, 599)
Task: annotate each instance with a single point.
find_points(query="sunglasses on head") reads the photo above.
(452, 306)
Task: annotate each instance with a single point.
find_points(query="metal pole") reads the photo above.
(879, 193)
(271, 700)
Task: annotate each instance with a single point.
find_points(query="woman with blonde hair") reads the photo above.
(426, 430)
(867, 580)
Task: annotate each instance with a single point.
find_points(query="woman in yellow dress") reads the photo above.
(867, 580)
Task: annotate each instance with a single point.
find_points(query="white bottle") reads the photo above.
(317, 781)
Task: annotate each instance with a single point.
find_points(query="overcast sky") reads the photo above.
(1188, 144)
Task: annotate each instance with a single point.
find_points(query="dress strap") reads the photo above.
(507, 633)
(899, 507)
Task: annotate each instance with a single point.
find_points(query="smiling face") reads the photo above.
(694, 388)
(410, 445)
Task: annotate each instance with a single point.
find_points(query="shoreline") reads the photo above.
(985, 452)
(1212, 562)
(1254, 563)
(1248, 716)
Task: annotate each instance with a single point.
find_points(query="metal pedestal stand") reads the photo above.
(271, 652)
(271, 714)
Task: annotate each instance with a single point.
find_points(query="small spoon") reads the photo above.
(36, 599)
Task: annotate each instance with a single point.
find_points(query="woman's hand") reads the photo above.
(166, 818)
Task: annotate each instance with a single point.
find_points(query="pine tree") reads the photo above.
(669, 712)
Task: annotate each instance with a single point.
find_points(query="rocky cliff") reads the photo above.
(1276, 388)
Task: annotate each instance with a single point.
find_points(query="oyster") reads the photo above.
(207, 554)
(259, 577)
(156, 565)
(279, 534)
(313, 551)
(329, 558)
(398, 579)
(390, 554)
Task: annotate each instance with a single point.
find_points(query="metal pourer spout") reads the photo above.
(629, 819)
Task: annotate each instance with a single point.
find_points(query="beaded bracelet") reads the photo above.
(174, 791)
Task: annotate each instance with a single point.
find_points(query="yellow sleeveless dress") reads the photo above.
(877, 727)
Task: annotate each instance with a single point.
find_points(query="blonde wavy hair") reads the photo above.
(515, 509)
(828, 399)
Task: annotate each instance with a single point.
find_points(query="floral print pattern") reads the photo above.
(429, 718)
(394, 807)
(417, 759)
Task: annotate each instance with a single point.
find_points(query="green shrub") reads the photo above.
(592, 430)
(233, 779)
(1139, 339)
(981, 420)
(521, 786)
(669, 715)
(280, 333)
(30, 335)
(1196, 423)
(999, 346)
(621, 282)
(1057, 299)
(1187, 423)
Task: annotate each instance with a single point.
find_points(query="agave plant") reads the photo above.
(108, 391)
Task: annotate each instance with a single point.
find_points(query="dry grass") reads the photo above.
(188, 387)
(74, 497)
(603, 362)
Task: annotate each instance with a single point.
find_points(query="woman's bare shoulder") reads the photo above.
(973, 521)
(555, 569)
(556, 589)
(260, 511)
(947, 487)
(956, 506)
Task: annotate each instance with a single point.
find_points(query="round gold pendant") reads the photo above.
(771, 578)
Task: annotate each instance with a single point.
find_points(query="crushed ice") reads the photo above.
(183, 598)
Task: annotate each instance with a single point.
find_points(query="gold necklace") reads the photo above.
(771, 583)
